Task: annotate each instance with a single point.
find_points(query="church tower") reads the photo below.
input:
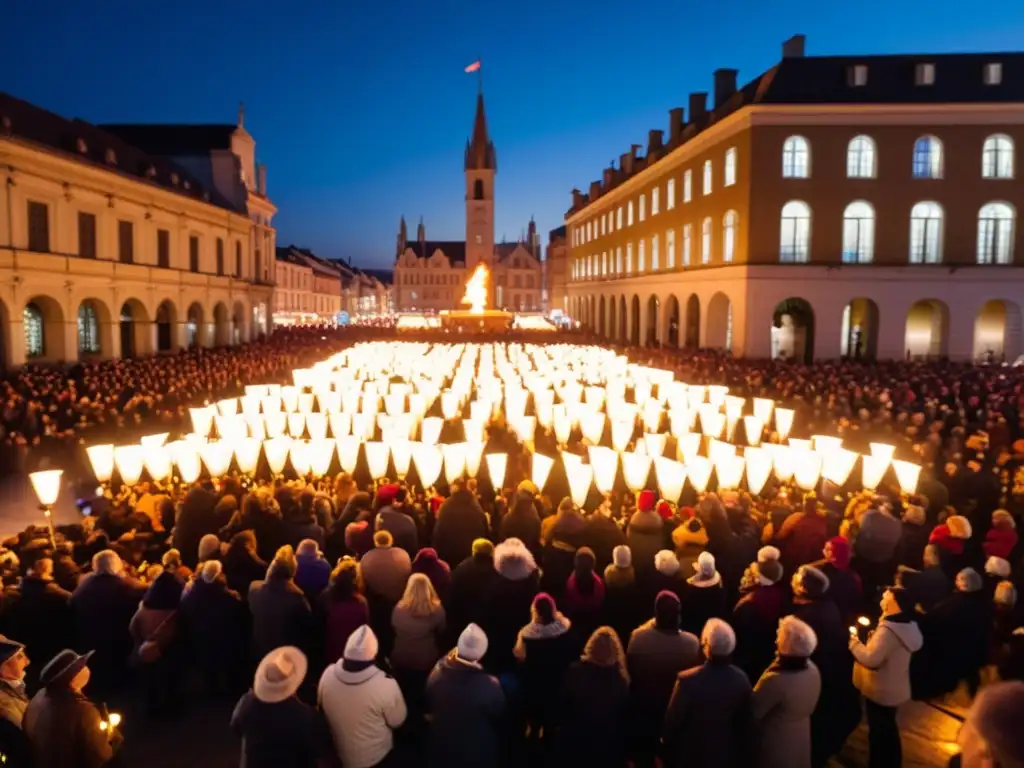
(481, 167)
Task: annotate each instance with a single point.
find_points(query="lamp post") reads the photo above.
(47, 487)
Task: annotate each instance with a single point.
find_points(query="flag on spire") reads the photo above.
(474, 67)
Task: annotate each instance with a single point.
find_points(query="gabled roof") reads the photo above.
(171, 140)
(455, 250)
(22, 120)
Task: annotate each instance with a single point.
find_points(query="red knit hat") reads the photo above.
(386, 494)
(685, 513)
(645, 501)
(435, 503)
(840, 548)
(664, 510)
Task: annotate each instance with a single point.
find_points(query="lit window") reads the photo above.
(687, 186)
(611, 222)
(857, 75)
(860, 158)
(927, 158)
(604, 228)
(629, 258)
(618, 218)
(687, 240)
(670, 248)
(618, 260)
(35, 335)
(796, 156)
(88, 330)
(858, 233)
(705, 241)
(655, 200)
(706, 189)
(993, 74)
(995, 234)
(997, 157)
(643, 207)
(654, 253)
(795, 234)
(629, 214)
(926, 233)
(924, 74)
(589, 238)
(604, 263)
(729, 236)
(730, 166)
(641, 256)
(670, 194)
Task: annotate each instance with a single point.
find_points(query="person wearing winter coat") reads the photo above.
(875, 549)
(990, 735)
(522, 521)
(215, 625)
(300, 523)
(196, 517)
(594, 703)
(276, 727)
(667, 576)
(913, 538)
(709, 721)
(838, 712)
(603, 535)
(950, 538)
(997, 570)
(844, 584)
(690, 538)
(156, 635)
(785, 698)
(385, 569)
(1001, 539)
(362, 704)
(930, 585)
(37, 610)
(438, 571)
(584, 596)
(704, 597)
(510, 602)
(881, 673)
(312, 571)
(472, 582)
(242, 563)
(418, 621)
(561, 535)
(401, 522)
(657, 652)
(342, 608)
(622, 597)
(755, 618)
(802, 536)
(281, 615)
(544, 650)
(14, 701)
(467, 706)
(460, 521)
(103, 604)
(646, 537)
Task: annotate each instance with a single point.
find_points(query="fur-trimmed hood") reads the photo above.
(534, 631)
(513, 560)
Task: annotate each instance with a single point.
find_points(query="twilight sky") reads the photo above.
(361, 109)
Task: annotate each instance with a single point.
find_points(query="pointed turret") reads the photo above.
(531, 237)
(480, 153)
(421, 232)
(402, 235)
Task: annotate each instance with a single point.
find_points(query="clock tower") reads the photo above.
(481, 167)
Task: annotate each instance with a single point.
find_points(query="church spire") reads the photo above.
(480, 149)
(241, 114)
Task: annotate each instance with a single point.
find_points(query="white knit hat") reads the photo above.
(796, 638)
(718, 638)
(308, 547)
(362, 645)
(997, 566)
(666, 562)
(210, 570)
(704, 567)
(622, 556)
(209, 546)
(768, 553)
(472, 643)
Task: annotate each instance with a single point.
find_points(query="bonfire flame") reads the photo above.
(476, 290)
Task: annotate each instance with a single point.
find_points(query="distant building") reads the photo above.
(309, 289)
(123, 240)
(556, 271)
(861, 206)
(430, 275)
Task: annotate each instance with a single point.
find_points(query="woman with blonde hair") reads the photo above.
(419, 623)
(595, 705)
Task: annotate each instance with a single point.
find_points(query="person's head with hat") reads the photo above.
(472, 645)
(991, 736)
(809, 583)
(13, 660)
(66, 671)
(279, 675)
(667, 611)
(360, 650)
(897, 602)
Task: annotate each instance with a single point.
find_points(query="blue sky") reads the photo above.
(361, 110)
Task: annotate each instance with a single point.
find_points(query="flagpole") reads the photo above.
(480, 75)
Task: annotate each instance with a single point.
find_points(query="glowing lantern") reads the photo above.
(636, 467)
(652, 415)
(688, 447)
(824, 444)
(430, 430)
(101, 457)
(497, 463)
(428, 460)
(377, 455)
(563, 426)
(228, 406)
(128, 459)
(763, 408)
(290, 399)
(250, 405)
(46, 485)
(341, 424)
(699, 473)
(271, 404)
(185, 454)
(873, 469)
(837, 465)
(671, 476)
(231, 427)
(655, 444)
(580, 476)
(806, 469)
(247, 454)
(753, 426)
(350, 401)
(256, 390)
(907, 475)
(473, 430)
(276, 423)
(622, 433)
(718, 449)
(255, 426)
(474, 452)
(157, 460)
(217, 457)
(363, 425)
(316, 425)
(592, 426)
(401, 455)
(454, 461)
(330, 402)
(712, 423)
(783, 461)
(296, 424)
(605, 462)
(156, 440)
(799, 445)
(595, 397)
(202, 420)
(784, 421)
(541, 469)
(883, 451)
(348, 452)
(449, 405)
(717, 394)
(394, 404)
(759, 468)
(320, 453)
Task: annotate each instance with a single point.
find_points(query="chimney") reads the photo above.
(725, 85)
(261, 176)
(675, 124)
(577, 199)
(626, 162)
(654, 140)
(794, 47)
(595, 190)
(698, 107)
(607, 178)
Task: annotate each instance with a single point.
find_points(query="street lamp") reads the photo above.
(47, 487)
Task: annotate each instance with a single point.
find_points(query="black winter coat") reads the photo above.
(625, 605)
(603, 536)
(196, 518)
(38, 614)
(466, 705)
(103, 605)
(522, 522)
(701, 604)
(242, 568)
(460, 521)
(594, 706)
(508, 611)
(473, 582)
(280, 616)
(288, 734)
(215, 622)
(549, 650)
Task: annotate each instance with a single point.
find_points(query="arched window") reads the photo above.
(35, 336)
(858, 233)
(729, 235)
(997, 157)
(995, 234)
(705, 241)
(88, 330)
(795, 238)
(860, 158)
(926, 233)
(927, 158)
(796, 158)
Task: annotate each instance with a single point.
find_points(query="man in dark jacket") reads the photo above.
(460, 521)
(103, 605)
(522, 521)
(466, 706)
(844, 585)
(603, 536)
(196, 518)
(38, 612)
(280, 612)
(472, 582)
(216, 624)
(756, 616)
(14, 744)
(400, 521)
(930, 585)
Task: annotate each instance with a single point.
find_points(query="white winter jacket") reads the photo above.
(882, 669)
(362, 708)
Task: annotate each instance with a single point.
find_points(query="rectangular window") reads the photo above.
(618, 218)
(629, 258)
(993, 73)
(654, 253)
(857, 75)
(193, 253)
(670, 248)
(629, 214)
(643, 207)
(670, 194)
(705, 242)
(708, 172)
(641, 260)
(86, 235)
(611, 222)
(687, 241)
(730, 166)
(924, 74)
(588, 232)
(604, 225)
(38, 227)
(604, 265)
(618, 260)
(655, 200)
(687, 186)
(220, 256)
(126, 242)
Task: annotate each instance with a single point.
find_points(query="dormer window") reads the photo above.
(857, 75)
(81, 146)
(993, 74)
(111, 157)
(924, 74)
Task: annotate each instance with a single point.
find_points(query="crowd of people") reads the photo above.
(380, 623)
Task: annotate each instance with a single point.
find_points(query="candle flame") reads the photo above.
(476, 290)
